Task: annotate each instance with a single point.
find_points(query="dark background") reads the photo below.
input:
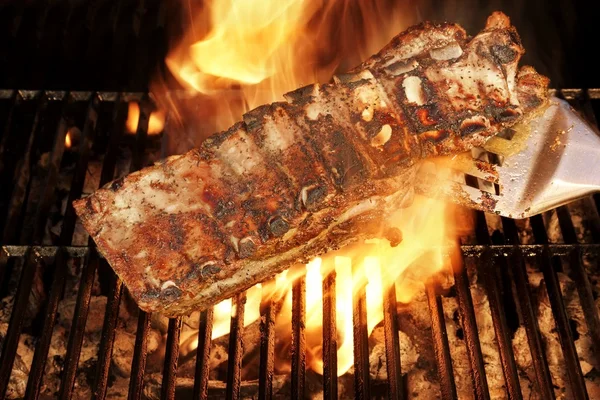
(121, 45)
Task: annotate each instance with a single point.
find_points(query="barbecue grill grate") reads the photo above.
(115, 46)
(38, 121)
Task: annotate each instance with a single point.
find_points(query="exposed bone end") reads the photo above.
(532, 88)
(313, 111)
(448, 52)
(367, 114)
(498, 20)
(169, 291)
(414, 90)
(474, 124)
(312, 196)
(383, 136)
(401, 67)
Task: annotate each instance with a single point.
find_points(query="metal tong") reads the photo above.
(546, 162)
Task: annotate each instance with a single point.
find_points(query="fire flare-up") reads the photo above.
(199, 234)
(264, 49)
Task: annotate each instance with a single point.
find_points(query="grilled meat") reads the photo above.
(295, 179)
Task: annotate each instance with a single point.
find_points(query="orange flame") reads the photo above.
(156, 123)
(253, 52)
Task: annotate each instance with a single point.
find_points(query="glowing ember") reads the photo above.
(68, 141)
(156, 122)
(253, 53)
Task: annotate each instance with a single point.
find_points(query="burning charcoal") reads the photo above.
(18, 379)
(23, 358)
(487, 339)
(66, 309)
(377, 358)
(458, 349)
(123, 353)
(552, 227)
(159, 322)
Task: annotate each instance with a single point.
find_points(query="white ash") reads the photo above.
(489, 344)
(547, 326)
(377, 357)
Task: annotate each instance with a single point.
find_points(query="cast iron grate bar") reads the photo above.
(107, 340)
(138, 364)
(171, 358)
(440, 342)
(362, 378)
(298, 335)
(469, 325)
(330, 343)
(490, 271)
(202, 355)
(532, 330)
(392, 342)
(267, 341)
(236, 347)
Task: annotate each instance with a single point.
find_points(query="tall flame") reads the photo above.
(253, 52)
(156, 121)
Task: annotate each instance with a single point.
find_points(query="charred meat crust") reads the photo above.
(295, 179)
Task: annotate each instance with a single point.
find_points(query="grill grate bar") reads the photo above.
(267, 341)
(109, 329)
(491, 277)
(532, 329)
(392, 342)
(78, 326)
(469, 325)
(298, 336)
(138, 364)
(236, 347)
(11, 340)
(203, 354)
(171, 358)
(330, 344)
(362, 378)
(440, 343)
(489, 269)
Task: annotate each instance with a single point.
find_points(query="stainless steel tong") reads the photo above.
(546, 162)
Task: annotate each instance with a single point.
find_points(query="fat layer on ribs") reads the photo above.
(318, 171)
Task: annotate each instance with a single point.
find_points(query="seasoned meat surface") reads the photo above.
(318, 171)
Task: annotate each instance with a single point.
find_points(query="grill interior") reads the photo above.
(508, 263)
